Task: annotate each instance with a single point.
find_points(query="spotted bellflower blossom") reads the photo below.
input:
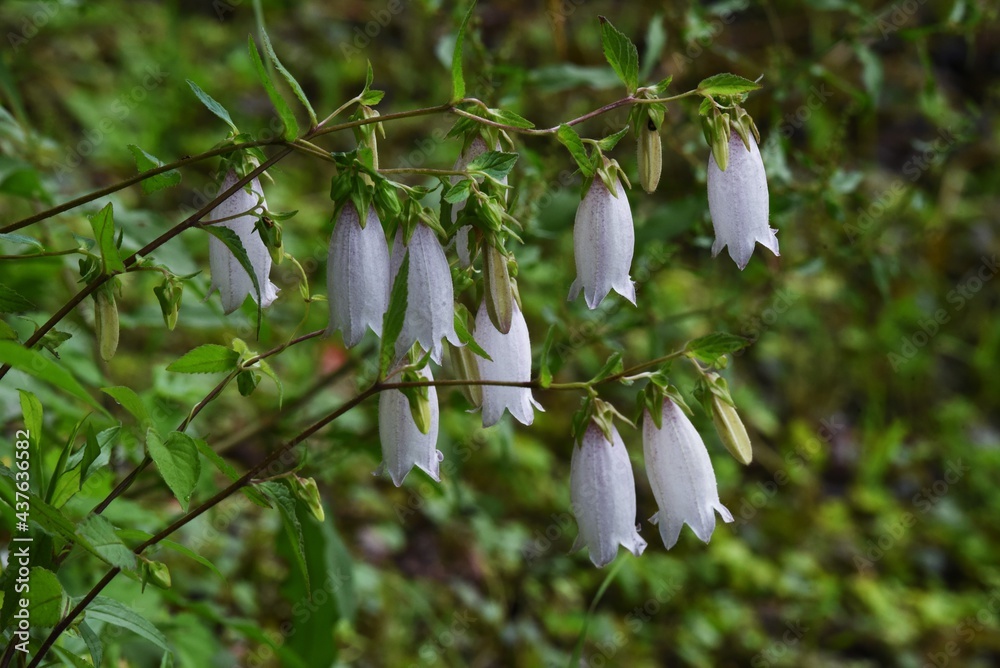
(403, 444)
(510, 361)
(602, 489)
(228, 275)
(430, 303)
(357, 276)
(681, 475)
(476, 149)
(603, 243)
(738, 202)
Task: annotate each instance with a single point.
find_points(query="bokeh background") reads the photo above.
(866, 530)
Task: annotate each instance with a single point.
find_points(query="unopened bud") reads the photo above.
(308, 493)
(650, 156)
(156, 573)
(467, 368)
(106, 319)
(731, 431)
(499, 296)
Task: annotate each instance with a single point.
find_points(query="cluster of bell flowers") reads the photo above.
(361, 271)
(603, 232)
(602, 486)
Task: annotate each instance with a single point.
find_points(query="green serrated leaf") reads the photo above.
(510, 118)
(495, 164)
(209, 358)
(458, 192)
(99, 534)
(709, 348)
(392, 324)
(110, 611)
(130, 401)
(611, 141)
(35, 364)
(457, 77)
(292, 83)
(177, 460)
(103, 224)
(15, 238)
(285, 501)
(11, 301)
(726, 84)
(145, 162)
(621, 54)
(284, 111)
(47, 602)
(212, 105)
(235, 246)
(372, 97)
(568, 137)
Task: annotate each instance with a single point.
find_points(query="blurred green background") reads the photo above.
(866, 530)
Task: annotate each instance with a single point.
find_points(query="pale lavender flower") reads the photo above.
(738, 202)
(602, 489)
(430, 305)
(357, 275)
(681, 476)
(403, 444)
(228, 275)
(603, 244)
(510, 361)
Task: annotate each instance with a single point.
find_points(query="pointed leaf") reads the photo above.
(292, 83)
(621, 54)
(103, 223)
(284, 111)
(178, 462)
(212, 105)
(457, 78)
(209, 358)
(145, 162)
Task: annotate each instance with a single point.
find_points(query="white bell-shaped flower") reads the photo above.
(738, 202)
(681, 475)
(228, 275)
(357, 275)
(603, 244)
(430, 303)
(510, 361)
(476, 149)
(403, 444)
(602, 489)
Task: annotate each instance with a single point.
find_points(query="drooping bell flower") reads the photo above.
(228, 275)
(357, 275)
(681, 475)
(602, 489)
(430, 304)
(475, 149)
(603, 243)
(738, 202)
(510, 361)
(403, 444)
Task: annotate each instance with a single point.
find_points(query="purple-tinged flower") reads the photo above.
(602, 489)
(603, 243)
(510, 361)
(403, 444)
(228, 275)
(430, 303)
(357, 275)
(738, 202)
(681, 475)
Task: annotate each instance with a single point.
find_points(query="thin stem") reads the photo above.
(132, 259)
(138, 178)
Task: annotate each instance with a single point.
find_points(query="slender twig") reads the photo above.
(138, 178)
(34, 256)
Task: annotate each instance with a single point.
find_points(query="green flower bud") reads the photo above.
(467, 368)
(731, 430)
(650, 155)
(106, 319)
(156, 573)
(308, 493)
(499, 297)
